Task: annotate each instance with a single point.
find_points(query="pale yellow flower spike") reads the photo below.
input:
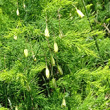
(25, 52)
(47, 72)
(55, 47)
(34, 57)
(80, 13)
(24, 6)
(16, 108)
(63, 103)
(17, 12)
(15, 37)
(47, 32)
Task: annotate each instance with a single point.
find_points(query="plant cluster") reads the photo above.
(54, 55)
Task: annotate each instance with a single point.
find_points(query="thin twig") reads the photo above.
(104, 25)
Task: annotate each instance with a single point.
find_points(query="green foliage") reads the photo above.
(79, 77)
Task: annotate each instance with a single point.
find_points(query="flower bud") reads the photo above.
(60, 70)
(34, 57)
(52, 61)
(15, 37)
(16, 108)
(47, 32)
(24, 6)
(55, 47)
(60, 34)
(63, 103)
(80, 13)
(54, 83)
(25, 52)
(47, 73)
(17, 12)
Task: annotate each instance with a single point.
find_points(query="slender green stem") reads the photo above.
(97, 46)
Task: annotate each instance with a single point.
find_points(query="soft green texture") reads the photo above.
(83, 76)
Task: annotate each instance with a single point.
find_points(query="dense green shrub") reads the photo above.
(54, 54)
